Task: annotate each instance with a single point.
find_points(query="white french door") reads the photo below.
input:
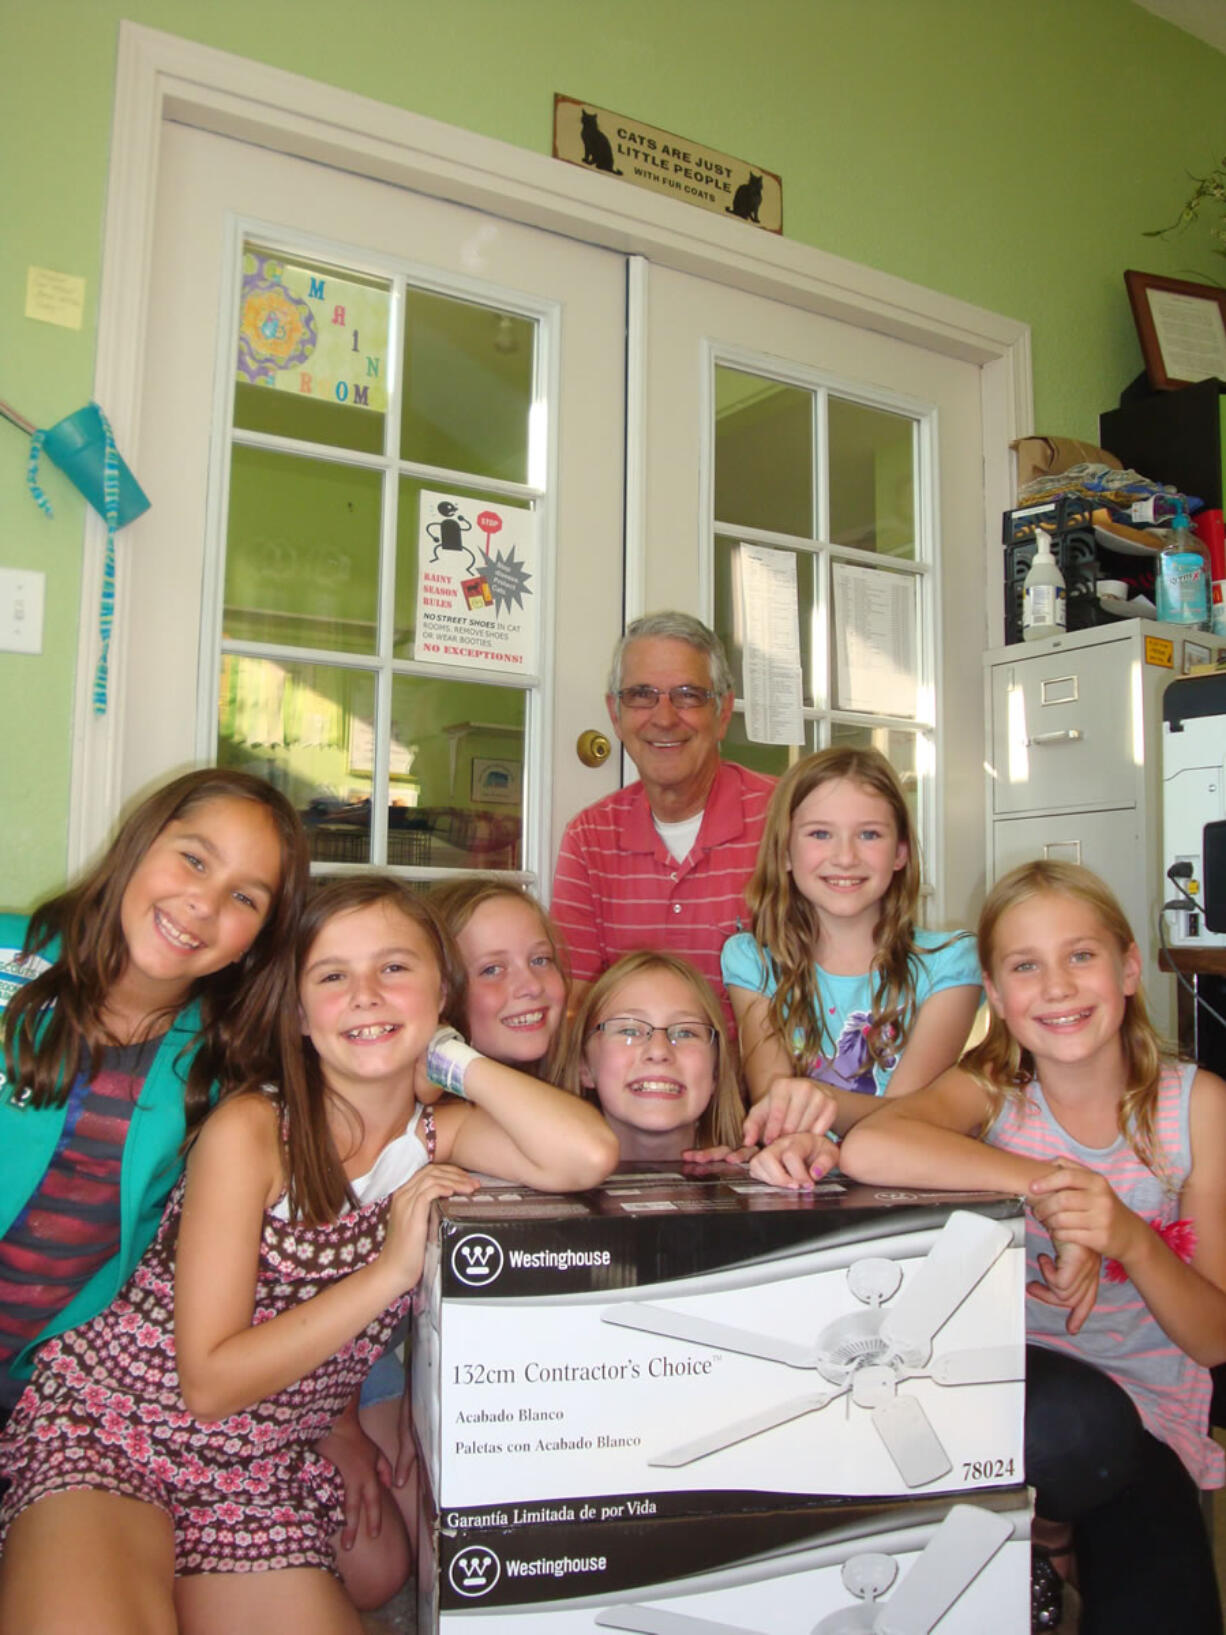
(861, 456)
(242, 516)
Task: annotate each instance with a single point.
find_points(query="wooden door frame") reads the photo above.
(160, 77)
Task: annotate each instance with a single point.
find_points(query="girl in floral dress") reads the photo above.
(514, 1011)
(171, 1438)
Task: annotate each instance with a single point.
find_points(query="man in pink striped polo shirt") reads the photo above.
(663, 862)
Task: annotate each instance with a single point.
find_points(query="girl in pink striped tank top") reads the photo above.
(1119, 1155)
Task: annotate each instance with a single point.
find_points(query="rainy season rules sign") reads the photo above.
(476, 584)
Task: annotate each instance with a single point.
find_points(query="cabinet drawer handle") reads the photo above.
(1066, 735)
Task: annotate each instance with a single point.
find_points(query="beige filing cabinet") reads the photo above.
(1074, 764)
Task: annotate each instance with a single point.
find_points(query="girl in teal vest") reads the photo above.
(127, 1001)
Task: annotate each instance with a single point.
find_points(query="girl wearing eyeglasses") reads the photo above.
(648, 1046)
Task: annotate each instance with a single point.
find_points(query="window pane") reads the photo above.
(729, 625)
(763, 453)
(407, 526)
(468, 373)
(302, 552)
(901, 749)
(769, 758)
(308, 729)
(455, 770)
(876, 638)
(306, 560)
(872, 479)
(312, 352)
(460, 779)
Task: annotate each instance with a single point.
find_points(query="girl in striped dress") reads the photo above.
(1119, 1155)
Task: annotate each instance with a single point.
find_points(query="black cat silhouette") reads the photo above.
(448, 535)
(597, 149)
(746, 200)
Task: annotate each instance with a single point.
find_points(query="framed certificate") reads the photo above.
(1182, 329)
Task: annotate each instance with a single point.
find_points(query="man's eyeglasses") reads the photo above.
(632, 1031)
(681, 698)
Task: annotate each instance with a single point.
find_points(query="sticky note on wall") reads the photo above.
(54, 297)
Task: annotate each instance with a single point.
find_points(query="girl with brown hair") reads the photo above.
(513, 1010)
(172, 1437)
(130, 999)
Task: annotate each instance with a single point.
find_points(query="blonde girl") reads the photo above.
(649, 1048)
(515, 976)
(171, 1438)
(1119, 1155)
(839, 996)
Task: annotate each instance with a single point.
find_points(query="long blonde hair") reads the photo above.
(456, 901)
(786, 925)
(721, 1122)
(1005, 1069)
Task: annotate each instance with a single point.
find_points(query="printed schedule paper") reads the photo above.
(769, 615)
(874, 633)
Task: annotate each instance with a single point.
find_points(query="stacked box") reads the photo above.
(700, 1355)
(960, 1566)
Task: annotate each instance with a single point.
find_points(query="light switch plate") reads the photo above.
(21, 610)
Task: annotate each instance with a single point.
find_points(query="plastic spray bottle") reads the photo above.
(1043, 601)
(1181, 583)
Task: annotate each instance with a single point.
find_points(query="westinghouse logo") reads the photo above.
(475, 1570)
(477, 1259)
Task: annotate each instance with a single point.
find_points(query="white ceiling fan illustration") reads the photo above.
(958, 1551)
(865, 1354)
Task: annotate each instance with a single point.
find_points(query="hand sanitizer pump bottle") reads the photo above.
(1181, 584)
(1043, 602)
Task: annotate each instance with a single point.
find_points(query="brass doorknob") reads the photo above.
(593, 748)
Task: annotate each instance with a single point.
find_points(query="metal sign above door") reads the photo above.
(648, 157)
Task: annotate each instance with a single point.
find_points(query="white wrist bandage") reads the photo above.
(448, 1057)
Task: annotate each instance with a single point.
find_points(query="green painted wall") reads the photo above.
(1009, 156)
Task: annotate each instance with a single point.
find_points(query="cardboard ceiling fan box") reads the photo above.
(705, 1344)
(959, 1564)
